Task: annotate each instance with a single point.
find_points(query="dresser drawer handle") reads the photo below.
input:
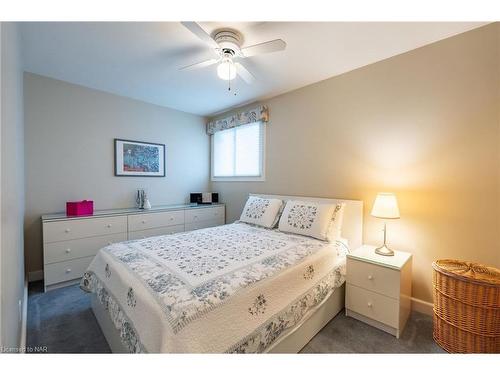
(370, 305)
(108, 225)
(67, 230)
(68, 251)
(171, 218)
(68, 270)
(144, 221)
(110, 243)
(370, 277)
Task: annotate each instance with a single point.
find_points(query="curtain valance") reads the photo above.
(259, 113)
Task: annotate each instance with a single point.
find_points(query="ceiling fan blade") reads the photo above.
(199, 65)
(200, 33)
(244, 73)
(266, 47)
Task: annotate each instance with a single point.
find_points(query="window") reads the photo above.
(238, 153)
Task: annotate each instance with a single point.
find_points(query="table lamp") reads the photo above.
(385, 207)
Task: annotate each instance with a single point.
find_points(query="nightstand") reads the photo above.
(378, 290)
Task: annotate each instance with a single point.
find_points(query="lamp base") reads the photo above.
(384, 250)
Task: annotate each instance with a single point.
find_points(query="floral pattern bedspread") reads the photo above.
(178, 282)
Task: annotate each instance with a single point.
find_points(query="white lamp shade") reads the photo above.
(385, 206)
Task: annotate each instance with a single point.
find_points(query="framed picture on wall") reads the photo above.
(139, 159)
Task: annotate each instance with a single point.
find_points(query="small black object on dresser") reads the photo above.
(204, 198)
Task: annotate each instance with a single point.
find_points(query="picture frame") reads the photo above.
(139, 159)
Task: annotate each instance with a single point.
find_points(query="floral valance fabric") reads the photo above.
(260, 113)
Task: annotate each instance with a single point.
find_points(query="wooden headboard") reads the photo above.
(352, 225)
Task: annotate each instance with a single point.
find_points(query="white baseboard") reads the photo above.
(24, 318)
(35, 275)
(421, 306)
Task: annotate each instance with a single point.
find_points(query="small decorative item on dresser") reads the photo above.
(385, 207)
(466, 306)
(80, 208)
(204, 198)
(140, 198)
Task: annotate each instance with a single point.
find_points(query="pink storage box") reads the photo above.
(82, 208)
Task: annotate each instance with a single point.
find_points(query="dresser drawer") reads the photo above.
(155, 220)
(373, 305)
(155, 232)
(203, 224)
(84, 247)
(63, 271)
(369, 276)
(205, 214)
(81, 228)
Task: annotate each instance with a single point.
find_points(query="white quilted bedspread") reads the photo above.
(212, 290)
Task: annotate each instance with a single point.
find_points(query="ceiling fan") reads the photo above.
(227, 45)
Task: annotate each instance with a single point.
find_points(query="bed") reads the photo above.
(235, 288)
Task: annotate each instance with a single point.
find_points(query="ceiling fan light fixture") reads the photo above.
(226, 70)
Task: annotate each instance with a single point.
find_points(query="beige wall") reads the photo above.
(69, 149)
(12, 188)
(424, 124)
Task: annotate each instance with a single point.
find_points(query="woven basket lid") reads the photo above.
(475, 272)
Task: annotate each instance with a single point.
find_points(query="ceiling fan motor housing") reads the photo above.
(228, 40)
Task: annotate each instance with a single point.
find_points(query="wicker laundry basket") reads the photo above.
(466, 307)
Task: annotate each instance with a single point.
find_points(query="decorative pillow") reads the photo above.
(335, 230)
(261, 211)
(307, 218)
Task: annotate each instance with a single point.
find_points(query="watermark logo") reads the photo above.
(24, 349)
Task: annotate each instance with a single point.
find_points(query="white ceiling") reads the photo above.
(141, 60)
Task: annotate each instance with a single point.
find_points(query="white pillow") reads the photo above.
(335, 230)
(261, 211)
(307, 218)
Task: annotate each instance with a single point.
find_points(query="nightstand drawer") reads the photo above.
(369, 276)
(373, 305)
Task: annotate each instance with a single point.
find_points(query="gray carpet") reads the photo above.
(347, 335)
(62, 321)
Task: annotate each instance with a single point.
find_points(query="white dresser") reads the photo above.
(70, 243)
(378, 290)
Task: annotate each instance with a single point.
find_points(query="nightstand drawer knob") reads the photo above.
(68, 270)
(370, 305)
(68, 251)
(67, 230)
(370, 277)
